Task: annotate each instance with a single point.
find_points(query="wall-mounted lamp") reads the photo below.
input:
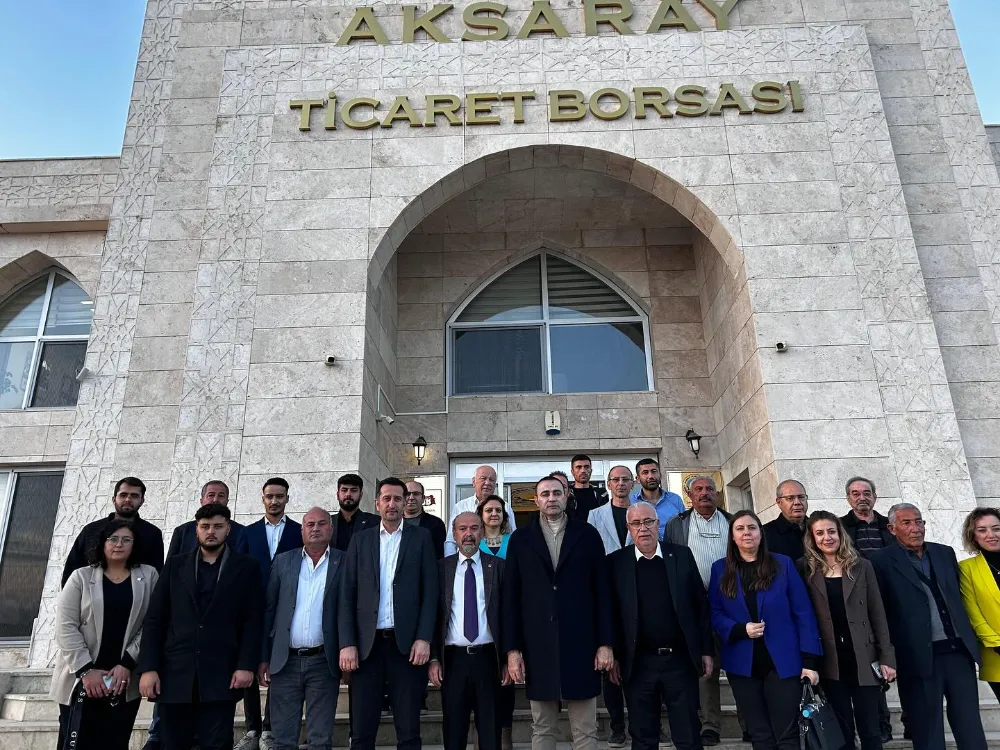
(419, 449)
(694, 440)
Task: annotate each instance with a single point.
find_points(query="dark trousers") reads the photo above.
(953, 677)
(211, 722)
(884, 717)
(251, 709)
(304, 680)
(614, 701)
(508, 697)
(386, 669)
(471, 684)
(855, 703)
(102, 727)
(669, 679)
(770, 708)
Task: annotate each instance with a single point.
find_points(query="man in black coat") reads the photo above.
(388, 609)
(786, 533)
(201, 637)
(350, 518)
(465, 656)
(128, 497)
(867, 528)
(664, 632)
(557, 625)
(413, 513)
(936, 647)
(185, 537)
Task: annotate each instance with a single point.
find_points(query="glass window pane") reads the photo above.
(15, 369)
(20, 315)
(26, 551)
(56, 384)
(575, 293)
(516, 295)
(619, 346)
(70, 310)
(505, 360)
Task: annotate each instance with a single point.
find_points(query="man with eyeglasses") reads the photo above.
(662, 619)
(868, 529)
(785, 534)
(936, 647)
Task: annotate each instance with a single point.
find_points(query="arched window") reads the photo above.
(547, 325)
(44, 327)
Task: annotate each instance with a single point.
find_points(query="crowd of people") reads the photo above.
(622, 591)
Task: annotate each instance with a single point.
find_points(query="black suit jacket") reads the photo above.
(785, 538)
(362, 521)
(851, 526)
(492, 584)
(185, 538)
(438, 531)
(184, 645)
(907, 610)
(687, 593)
(557, 618)
(149, 545)
(255, 536)
(414, 590)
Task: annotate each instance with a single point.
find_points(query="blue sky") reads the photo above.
(66, 70)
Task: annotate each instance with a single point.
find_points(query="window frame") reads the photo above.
(544, 323)
(41, 338)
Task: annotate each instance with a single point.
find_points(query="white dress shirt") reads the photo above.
(273, 531)
(658, 553)
(388, 556)
(307, 619)
(456, 619)
(469, 505)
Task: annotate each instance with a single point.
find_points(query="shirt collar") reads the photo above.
(383, 530)
(276, 525)
(326, 556)
(658, 553)
(476, 558)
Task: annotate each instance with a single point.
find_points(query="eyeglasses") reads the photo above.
(645, 523)
(793, 498)
(115, 540)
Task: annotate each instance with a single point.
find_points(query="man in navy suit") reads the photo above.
(265, 539)
(185, 537)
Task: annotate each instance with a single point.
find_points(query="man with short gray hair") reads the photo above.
(785, 533)
(868, 529)
(484, 484)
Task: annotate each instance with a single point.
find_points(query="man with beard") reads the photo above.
(786, 533)
(648, 488)
(201, 637)
(469, 668)
(349, 518)
(414, 515)
(129, 495)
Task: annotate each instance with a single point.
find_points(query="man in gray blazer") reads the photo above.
(300, 658)
(388, 610)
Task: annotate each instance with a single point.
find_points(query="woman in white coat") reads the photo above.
(98, 631)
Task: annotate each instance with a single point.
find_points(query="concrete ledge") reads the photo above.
(38, 219)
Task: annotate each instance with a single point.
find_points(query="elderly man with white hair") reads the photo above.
(484, 484)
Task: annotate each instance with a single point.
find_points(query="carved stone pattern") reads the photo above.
(57, 190)
(89, 474)
(973, 163)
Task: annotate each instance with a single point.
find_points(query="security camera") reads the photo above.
(781, 347)
(385, 418)
(331, 361)
(83, 374)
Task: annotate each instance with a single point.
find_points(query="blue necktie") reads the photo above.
(471, 608)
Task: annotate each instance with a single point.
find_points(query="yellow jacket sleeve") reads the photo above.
(986, 627)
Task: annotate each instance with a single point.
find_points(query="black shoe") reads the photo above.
(710, 738)
(617, 738)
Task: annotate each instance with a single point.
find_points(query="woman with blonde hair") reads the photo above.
(852, 627)
(979, 577)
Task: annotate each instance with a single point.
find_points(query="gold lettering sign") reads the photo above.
(563, 105)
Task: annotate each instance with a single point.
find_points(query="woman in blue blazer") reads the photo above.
(762, 613)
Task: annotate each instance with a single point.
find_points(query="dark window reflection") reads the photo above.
(56, 384)
(595, 358)
(505, 360)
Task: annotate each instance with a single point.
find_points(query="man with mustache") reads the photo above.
(201, 637)
(469, 668)
(350, 518)
(128, 497)
(414, 515)
(785, 534)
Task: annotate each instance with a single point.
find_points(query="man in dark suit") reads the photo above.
(465, 660)
(265, 539)
(300, 659)
(413, 513)
(128, 497)
(350, 518)
(557, 626)
(185, 537)
(936, 648)
(785, 534)
(664, 633)
(201, 637)
(388, 608)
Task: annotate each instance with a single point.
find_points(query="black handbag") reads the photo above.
(70, 734)
(818, 725)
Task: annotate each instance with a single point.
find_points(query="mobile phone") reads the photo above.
(877, 669)
(108, 679)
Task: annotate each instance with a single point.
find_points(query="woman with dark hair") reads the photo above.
(496, 534)
(852, 627)
(764, 619)
(98, 632)
(979, 577)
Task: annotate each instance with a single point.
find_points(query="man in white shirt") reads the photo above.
(301, 646)
(484, 484)
(469, 669)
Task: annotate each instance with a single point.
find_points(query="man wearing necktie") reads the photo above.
(466, 662)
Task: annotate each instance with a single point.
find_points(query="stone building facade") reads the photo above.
(238, 242)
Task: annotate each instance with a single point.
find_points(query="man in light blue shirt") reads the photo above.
(647, 487)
